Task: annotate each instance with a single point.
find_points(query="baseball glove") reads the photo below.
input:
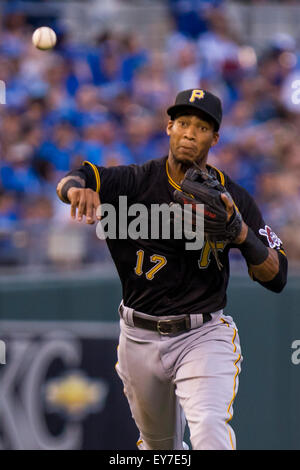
(203, 191)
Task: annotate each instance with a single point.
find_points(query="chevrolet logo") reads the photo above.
(75, 394)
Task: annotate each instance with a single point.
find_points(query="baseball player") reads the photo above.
(179, 355)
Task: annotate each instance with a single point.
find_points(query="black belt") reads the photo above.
(165, 327)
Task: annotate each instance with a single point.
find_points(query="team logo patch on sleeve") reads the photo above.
(272, 238)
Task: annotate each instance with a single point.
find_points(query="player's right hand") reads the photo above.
(84, 201)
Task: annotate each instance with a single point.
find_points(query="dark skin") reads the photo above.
(191, 137)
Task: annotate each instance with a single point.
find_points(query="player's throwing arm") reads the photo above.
(84, 201)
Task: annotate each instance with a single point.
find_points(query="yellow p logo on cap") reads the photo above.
(199, 94)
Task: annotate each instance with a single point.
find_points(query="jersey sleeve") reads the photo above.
(252, 216)
(112, 182)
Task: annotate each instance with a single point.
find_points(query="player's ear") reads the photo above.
(215, 140)
(169, 127)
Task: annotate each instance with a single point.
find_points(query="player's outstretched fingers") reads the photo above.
(228, 204)
(97, 203)
(73, 196)
(92, 200)
(81, 205)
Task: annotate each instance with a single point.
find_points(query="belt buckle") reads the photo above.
(159, 327)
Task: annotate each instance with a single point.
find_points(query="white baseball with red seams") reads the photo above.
(44, 38)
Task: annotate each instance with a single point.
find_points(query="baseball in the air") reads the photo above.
(44, 38)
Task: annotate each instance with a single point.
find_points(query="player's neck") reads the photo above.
(178, 169)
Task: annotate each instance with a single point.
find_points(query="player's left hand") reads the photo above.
(228, 202)
(228, 205)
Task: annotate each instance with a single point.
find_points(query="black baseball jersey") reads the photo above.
(158, 276)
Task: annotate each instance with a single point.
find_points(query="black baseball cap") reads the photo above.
(197, 99)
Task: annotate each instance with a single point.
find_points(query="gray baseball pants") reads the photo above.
(191, 376)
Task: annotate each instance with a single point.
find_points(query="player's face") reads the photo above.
(191, 137)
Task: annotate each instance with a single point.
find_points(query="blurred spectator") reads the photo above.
(219, 46)
(151, 86)
(9, 213)
(134, 56)
(140, 141)
(60, 148)
(191, 15)
(185, 67)
(16, 170)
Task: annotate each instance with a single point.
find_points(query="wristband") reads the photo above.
(64, 190)
(253, 249)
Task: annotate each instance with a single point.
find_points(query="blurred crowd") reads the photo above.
(106, 102)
